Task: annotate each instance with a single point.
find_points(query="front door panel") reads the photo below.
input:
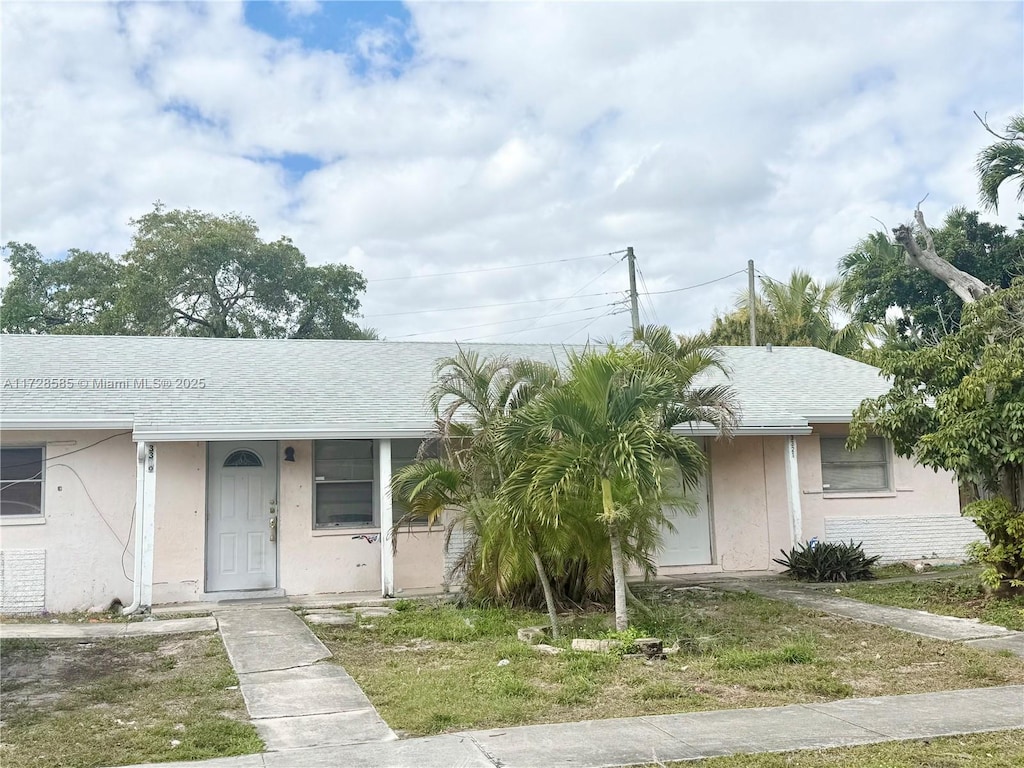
(690, 544)
(241, 551)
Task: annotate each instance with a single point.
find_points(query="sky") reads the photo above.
(438, 147)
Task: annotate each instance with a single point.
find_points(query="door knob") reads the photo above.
(273, 529)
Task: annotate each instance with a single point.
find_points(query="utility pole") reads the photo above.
(634, 307)
(751, 302)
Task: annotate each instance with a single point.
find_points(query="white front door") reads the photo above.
(690, 543)
(241, 516)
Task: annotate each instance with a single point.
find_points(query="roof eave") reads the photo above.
(157, 434)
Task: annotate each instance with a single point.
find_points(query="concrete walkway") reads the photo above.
(969, 631)
(293, 701)
(87, 631)
(664, 738)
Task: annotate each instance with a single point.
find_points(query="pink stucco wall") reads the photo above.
(309, 561)
(916, 490)
(313, 561)
(179, 545)
(748, 501)
(86, 529)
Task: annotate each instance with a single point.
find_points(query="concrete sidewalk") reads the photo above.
(87, 631)
(293, 701)
(969, 631)
(664, 738)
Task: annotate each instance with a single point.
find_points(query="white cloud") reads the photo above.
(703, 135)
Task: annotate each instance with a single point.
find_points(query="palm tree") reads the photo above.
(1001, 161)
(602, 441)
(473, 398)
(798, 313)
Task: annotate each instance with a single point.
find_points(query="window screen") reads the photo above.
(866, 469)
(21, 481)
(343, 473)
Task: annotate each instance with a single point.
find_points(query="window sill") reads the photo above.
(355, 530)
(27, 520)
(859, 494)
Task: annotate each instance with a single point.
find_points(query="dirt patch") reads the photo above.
(120, 701)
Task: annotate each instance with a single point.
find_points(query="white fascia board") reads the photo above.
(744, 430)
(187, 434)
(62, 423)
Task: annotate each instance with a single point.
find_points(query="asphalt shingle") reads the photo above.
(197, 387)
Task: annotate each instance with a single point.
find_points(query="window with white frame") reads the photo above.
(866, 469)
(343, 484)
(21, 481)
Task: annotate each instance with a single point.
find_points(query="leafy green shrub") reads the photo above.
(1003, 553)
(827, 561)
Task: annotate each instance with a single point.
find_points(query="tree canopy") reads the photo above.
(187, 273)
(959, 405)
(799, 313)
(876, 278)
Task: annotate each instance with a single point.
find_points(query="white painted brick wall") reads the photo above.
(22, 580)
(906, 538)
(457, 544)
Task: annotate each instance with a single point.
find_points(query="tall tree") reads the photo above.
(76, 294)
(876, 278)
(959, 405)
(190, 273)
(187, 273)
(801, 313)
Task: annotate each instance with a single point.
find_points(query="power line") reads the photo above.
(589, 323)
(537, 328)
(591, 281)
(650, 303)
(698, 285)
(488, 306)
(493, 269)
(503, 322)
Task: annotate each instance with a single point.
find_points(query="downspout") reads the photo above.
(148, 527)
(793, 492)
(145, 506)
(140, 503)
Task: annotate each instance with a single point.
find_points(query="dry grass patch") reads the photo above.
(1001, 749)
(120, 701)
(431, 669)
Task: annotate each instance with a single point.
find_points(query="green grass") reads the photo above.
(431, 669)
(1001, 749)
(117, 702)
(958, 594)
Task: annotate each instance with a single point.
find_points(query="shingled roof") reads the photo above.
(172, 388)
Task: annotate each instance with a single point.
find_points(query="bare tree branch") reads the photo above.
(984, 122)
(966, 286)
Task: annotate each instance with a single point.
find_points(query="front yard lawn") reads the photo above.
(957, 594)
(431, 669)
(114, 702)
(1001, 749)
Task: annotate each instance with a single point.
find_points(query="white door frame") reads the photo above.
(216, 453)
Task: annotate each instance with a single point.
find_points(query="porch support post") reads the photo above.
(793, 492)
(387, 558)
(148, 520)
